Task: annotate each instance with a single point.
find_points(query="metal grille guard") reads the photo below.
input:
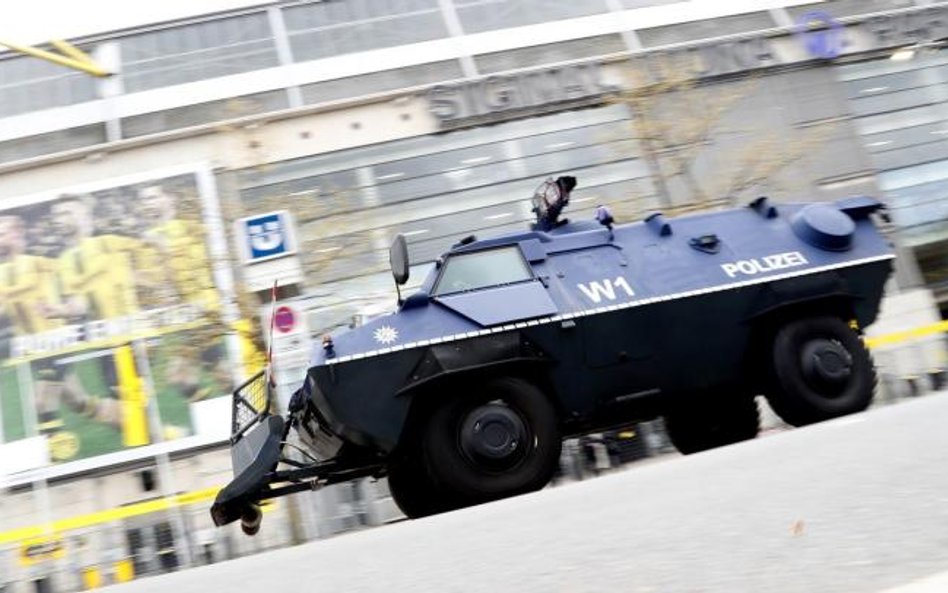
(251, 404)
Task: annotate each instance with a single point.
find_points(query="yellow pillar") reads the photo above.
(253, 359)
(124, 570)
(91, 577)
(132, 396)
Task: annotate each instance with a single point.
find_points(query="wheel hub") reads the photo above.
(493, 435)
(827, 362)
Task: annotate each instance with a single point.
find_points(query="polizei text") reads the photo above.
(762, 265)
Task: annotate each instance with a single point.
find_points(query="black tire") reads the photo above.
(820, 369)
(699, 424)
(507, 416)
(412, 489)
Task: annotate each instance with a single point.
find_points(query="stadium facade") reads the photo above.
(144, 215)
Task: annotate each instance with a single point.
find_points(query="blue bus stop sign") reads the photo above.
(266, 236)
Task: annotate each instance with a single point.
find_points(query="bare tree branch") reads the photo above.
(684, 125)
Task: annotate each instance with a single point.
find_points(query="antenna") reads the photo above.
(273, 298)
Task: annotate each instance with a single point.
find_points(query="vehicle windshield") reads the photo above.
(470, 271)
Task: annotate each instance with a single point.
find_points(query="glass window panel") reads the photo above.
(705, 29)
(427, 251)
(197, 52)
(899, 100)
(377, 82)
(902, 119)
(452, 160)
(897, 81)
(470, 271)
(574, 137)
(428, 238)
(917, 175)
(308, 196)
(53, 142)
(483, 168)
(324, 29)
(30, 84)
(911, 196)
(322, 266)
(841, 8)
(923, 213)
(909, 156)
(873, 68)
(905, 137)
(450, 180)
(550, 53)
(485, 15)
(545, 152)
(514, 181)
(421, 146)
(585, 156)
(202, 113)
(532, 126)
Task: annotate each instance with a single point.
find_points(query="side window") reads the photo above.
(480, 269)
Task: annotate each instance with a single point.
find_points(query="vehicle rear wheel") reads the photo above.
(709, 422)
(820, 369)
(499, 440)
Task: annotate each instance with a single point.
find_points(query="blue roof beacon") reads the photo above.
(464, 394)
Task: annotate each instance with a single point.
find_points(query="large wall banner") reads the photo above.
(107, 295)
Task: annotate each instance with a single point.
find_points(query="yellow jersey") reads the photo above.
(181, 244)
(149, 272)
(100, 271)
(26, 283)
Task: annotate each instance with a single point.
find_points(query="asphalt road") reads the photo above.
(854, 505)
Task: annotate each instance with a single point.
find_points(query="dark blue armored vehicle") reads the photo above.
(512, 343)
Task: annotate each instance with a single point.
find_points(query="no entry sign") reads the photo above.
(284, 319)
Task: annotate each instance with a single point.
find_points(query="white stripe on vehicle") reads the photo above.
(616, 307)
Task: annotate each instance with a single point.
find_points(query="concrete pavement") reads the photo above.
(856, 505)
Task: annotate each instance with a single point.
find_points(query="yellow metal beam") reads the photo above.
(51, 530)
(109, 515)
(71, 56)
(70, 50)
(907, 335)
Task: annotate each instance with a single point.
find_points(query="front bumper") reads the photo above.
(257, 439)
(254, 457)
(257, 443)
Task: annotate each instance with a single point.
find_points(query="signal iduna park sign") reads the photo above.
(517, 93)
(817, 35)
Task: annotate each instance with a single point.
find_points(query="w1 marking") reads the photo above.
(596, 290)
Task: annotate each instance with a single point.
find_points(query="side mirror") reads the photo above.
(398, 259)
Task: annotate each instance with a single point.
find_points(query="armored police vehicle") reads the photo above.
(464, 394)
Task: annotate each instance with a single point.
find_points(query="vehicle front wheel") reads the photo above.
(706, 422)
(498, 440)
(820, 369)
(412, 489)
